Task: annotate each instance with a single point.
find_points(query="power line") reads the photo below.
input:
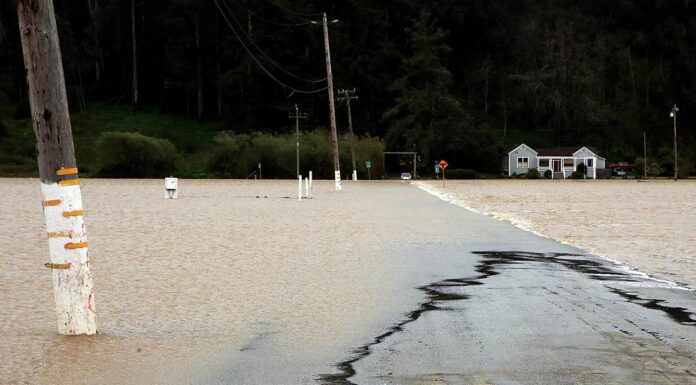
(286, 9)
(270, 75)
(241, 27)
(243, 8)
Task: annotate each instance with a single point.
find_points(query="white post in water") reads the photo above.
(299, 188)
(60, 187)
(337, 179)
(311, 186)
(171, 187)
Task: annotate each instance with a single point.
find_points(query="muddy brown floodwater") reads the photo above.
(646, 225)
(183, 284)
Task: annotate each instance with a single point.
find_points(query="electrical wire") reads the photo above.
(241, 27)
(294, 90)
(286, 9)
(243, 8)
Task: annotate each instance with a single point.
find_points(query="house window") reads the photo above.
(544, 163)
(590, 162)
(522, 162)
(568, 162)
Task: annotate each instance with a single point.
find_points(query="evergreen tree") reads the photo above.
(426, 113)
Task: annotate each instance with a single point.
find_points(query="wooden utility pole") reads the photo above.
(135, 58)
(673, 114)
(297, 118)
(347, 95)
(199, 67)
(645, 157)
(332, 109)
(62, 199)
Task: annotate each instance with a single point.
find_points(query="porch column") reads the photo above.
(594, 168)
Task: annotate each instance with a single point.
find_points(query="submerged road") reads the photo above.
(508, 307)
(236, 282)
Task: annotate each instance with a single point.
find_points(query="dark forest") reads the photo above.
(465, 81)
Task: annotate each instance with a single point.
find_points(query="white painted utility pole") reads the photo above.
(673, 114)
(347, 95)
(332, 109)
(297, 118)
(62, 198)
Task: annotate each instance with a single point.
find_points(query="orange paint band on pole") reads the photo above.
(58, 266)
(72, 246)
(60, 234)
(73, 213)
(52, 202)
(66, 171)
(71, 182)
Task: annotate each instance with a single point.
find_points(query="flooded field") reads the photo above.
(184, 285)
(649, 226)
(238, 282)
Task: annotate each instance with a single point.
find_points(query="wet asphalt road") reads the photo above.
(474, 300)
(509, 307)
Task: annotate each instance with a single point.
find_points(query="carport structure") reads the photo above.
(384, 159)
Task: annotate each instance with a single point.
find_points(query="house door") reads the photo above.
(556, 165)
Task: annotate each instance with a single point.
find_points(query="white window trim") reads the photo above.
(518, 161)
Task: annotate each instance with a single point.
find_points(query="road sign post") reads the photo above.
(368, 165)
(443, 165)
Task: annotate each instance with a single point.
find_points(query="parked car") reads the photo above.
(405, 176)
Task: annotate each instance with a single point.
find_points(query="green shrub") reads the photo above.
(548, 174)
(582, 168)
(129, 154)
(533, 173)
(577, 175)
(460, 173)
(233, 155)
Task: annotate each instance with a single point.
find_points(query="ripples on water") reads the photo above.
(646, 225)
(182, 283)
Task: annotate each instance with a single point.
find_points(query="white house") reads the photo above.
(562, 161)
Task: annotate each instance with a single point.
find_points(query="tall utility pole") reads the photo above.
(673, 114)
(332, 109)
(135, 57)
(60, 188)
(297, 118)
(645, 157)
(347, 95)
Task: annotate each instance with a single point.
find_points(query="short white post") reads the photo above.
(355, 175)
(337, 179)
(299, 188)
(311, 186)
(171, 187)
(306, 185)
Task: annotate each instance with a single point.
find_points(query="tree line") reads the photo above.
(465, 81)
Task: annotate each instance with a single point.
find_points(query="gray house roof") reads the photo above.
(523, 146)
(557, 151)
